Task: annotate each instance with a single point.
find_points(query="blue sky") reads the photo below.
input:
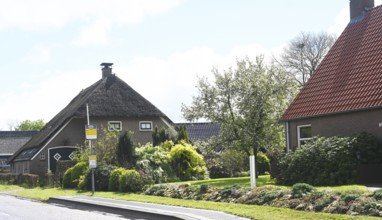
(50, 50)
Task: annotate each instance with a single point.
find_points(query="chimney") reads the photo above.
(359, 7)
(106, 70)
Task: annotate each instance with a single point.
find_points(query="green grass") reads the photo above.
(239, 181)
(249, 211)
(264, 180)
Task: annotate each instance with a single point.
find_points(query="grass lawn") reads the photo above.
(249, 211)
(240, 181)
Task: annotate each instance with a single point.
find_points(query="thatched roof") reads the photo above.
(11, 141)
(108, 97)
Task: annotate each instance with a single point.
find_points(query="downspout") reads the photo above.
(287, 136)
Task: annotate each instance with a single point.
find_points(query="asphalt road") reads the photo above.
(12, 208)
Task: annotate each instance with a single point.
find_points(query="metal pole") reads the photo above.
(90, 149)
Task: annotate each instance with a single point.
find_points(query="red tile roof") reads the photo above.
(349, 77)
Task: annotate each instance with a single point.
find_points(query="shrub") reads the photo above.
(125, 150)
(326, 161)
(72, 175)
(101, 177)
(263, 163)
(115, 175)
(78, 170)
(130, 181)
(154, 162)
(234, 161)
(66, 180)
(187, 163)
(378, 194)
(301, 189)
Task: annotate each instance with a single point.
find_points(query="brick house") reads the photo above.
(344, 96)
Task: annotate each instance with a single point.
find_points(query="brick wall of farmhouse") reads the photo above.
(344, 124)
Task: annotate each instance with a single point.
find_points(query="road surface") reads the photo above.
(12, 208)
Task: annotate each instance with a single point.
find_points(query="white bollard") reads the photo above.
(252, 171)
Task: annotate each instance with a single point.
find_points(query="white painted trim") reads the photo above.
(145, 122)
(298, 134)
(56, 148)
(168, 125)
(51, 139)
(287, 136)
(120, 122)
(6, 154)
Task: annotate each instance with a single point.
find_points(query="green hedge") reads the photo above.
(329, 160)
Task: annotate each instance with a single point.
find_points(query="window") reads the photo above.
(304, 133)
(145, 125)
(42, 156)
(115, 126)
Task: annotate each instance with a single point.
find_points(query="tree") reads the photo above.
(125, 150)
(183, 134)
(29, 125)
(304, 53)
(247, 102)
(161, 135)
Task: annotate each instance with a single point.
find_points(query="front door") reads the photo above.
(59, 153)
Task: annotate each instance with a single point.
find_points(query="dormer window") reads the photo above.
(114, 126)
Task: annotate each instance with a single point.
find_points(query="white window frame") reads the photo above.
(299, 139)
(114, 122)
(42, 156)
(145, 122)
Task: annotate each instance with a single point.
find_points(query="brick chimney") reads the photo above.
(106, 70)
(359, 7)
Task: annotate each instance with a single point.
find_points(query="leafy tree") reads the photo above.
(246, 101)
(125, 151)
(304, 53)
(105, 147)
(29, 125)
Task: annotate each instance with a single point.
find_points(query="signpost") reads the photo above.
(91, 134)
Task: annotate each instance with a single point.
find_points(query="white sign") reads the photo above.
(92, 161)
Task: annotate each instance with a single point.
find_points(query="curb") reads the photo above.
(128, 211)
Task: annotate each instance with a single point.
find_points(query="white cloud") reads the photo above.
(342, 19)
(167, 83)
(93, 34)
(38, 55)
(45, 99)
(43, 14)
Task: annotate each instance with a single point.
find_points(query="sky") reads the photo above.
(51, 50)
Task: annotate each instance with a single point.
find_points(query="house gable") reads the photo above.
(350, 76)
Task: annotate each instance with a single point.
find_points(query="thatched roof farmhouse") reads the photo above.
(112, 103)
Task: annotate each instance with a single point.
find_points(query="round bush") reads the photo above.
(115, 175)
(301, 189)
(78, 170)
(101, 177)
(130, 181)
(187, 163)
